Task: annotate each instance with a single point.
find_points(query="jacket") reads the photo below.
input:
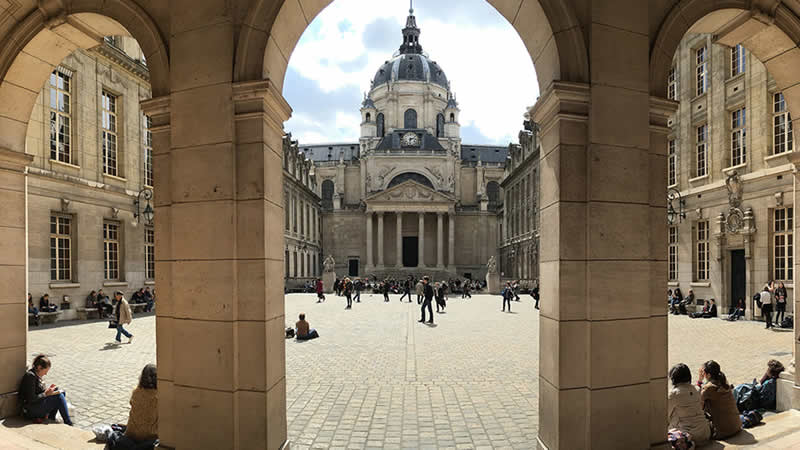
(31, 388)
(685, 412)
(428, 291)
(718, 401)
(124, 314)
(420, 288)
(143, 418)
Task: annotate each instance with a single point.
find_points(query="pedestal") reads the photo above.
(493, 283)
(327, 282)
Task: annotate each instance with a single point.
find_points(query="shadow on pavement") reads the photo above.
(110, 346)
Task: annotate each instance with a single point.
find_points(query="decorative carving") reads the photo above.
(410, 193)
(114, 212)
(734, 185)
(437, 174)
(735, 220)
(451, 183)
(381, 178)
(491, 266)
(64, 205)
(329, 264)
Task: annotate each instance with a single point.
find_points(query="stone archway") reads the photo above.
(30, 48)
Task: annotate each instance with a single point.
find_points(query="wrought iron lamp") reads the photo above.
(145, 212)
(675, 215)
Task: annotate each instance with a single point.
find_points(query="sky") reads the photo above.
(487, 64)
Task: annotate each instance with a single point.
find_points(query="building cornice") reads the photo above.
(121, 58)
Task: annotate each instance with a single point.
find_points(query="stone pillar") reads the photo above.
(399, 243)
(421, 241)
(369, 240)
(13, 276)
(439, 240)
(451, 241)
(380, 239)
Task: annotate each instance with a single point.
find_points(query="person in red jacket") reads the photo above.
(320, 295)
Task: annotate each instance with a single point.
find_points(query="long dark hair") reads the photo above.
(711, 368)
(40, 362)
(149, 378)
(679, 374)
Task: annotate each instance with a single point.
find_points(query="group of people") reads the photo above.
(709, 409)
(95, 300)
(772, 298)
(42, 403)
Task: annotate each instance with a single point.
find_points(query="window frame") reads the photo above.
(738, 61)
(701, 70)
(149, 253)
(782, 114)
(147, 144)
(59, 117)
(673, 253)
(701, 150)
(738, 136)
(702, 251)
(672, 162)
(108, 133)
(112, 248)
(783, 230)
(672, 83)
(57, 237)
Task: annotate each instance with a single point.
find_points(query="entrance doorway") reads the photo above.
(410, 251)
(352, 267)
(738, 277)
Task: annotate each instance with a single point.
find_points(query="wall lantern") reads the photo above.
(145, 212)
(674, 199)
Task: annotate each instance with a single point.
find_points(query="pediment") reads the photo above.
(409, 191)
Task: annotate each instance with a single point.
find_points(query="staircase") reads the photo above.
(17, 433)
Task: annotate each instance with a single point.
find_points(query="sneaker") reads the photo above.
(130, 339)
(421, 321)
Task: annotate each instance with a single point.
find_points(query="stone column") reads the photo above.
(439, 240)
(421, 241)
(13, 276)
(369, 240)
(451, 241)
(380, 239)
(399, 243)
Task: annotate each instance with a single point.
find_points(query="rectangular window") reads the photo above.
(60, 117)
(782, 244)
(737, 60)
(60, 248)
(702, 251)
(111, 250)
(701, 69)
(672, 164)
(149, 253)
(782, 138)
(738, 137)
(286, 212)
(147, 139)
(109, 133)
(702, 150)
(672, 84)
(673, 253)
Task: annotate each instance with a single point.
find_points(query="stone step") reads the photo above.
(17, 433)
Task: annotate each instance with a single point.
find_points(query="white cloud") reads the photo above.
(486, 62)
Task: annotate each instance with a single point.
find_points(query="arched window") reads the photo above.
(369, 117)
(493, 192)
(421, 179)
(440, 125)
(410, 119)
(381, 129)
(327, 195)
(452, 117)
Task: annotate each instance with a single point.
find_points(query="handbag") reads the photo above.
(112, 324)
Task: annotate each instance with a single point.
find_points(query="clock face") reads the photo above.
(410, 140)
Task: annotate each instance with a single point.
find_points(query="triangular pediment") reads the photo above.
(409, 191)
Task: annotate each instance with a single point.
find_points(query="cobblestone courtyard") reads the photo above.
(379, 379)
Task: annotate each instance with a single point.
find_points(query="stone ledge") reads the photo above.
(24, 434)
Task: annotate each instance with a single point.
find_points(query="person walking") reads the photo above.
(420, 288)
(766, 305)
(347, 291)
(385, 290)
(357, 286)
(124, 316)
(535, 295)
(406, 290)
(515, 290)
(508, 295)
(320, 294)
(465, 293)
(427, 293)
(780, 303)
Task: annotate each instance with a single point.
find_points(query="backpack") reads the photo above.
(289, 333)
(747, 397)
(767, 394)
(787, 322)
(757, 298)
(750, 418)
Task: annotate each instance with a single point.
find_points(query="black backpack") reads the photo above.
(788, 322)
(747, 397)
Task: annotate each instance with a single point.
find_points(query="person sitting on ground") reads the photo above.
(33, 310)
(149, 298)
(712, 310)
(737, 311)
(769, 384)
(45, 305)
(40, 403)
(706, 307)
(138, 296)
(304, 332)
(718, 401)
(141, 432)
(684, 406)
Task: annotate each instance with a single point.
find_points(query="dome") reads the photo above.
(410, 67)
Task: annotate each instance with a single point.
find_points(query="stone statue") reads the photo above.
(491, 266)
(734, 185)
(329, 264)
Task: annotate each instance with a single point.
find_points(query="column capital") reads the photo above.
(660, 111)
(379, 213)
(563, 99)
(261, 96)
(9, 159)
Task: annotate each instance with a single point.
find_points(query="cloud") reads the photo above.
(484, 58)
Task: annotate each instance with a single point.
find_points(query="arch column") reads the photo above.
(399, 242)
(439, 240)
(369, 240)
(13, 276)
(421, 241)
(451, 241)
(380, 239)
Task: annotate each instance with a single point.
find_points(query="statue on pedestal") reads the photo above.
(329, 264)
(492, 277)
(329, 274)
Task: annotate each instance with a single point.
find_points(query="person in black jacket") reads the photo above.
(385, 290)
(427, 292)
(535, 295)
(45, 305)
(508, 295)
(38, 402)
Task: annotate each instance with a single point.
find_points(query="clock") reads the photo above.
(410, 140)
